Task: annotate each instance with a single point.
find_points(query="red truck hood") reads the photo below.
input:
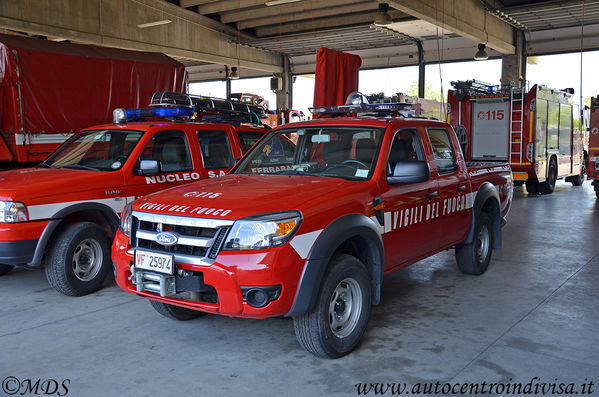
(30, 184)
(238, 196)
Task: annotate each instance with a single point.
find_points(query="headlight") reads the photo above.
(12, 211)
(263, 231)
(126, 221)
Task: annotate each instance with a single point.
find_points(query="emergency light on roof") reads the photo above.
(358, 103)
(120, 115)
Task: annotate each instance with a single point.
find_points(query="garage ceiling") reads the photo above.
(297, 29)
(252, 34)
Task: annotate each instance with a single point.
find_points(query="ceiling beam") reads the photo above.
(296, 17)
(309, 8)
(114, 23)
(228, 5)
(191, 3)
(324, 23)
(467, 18)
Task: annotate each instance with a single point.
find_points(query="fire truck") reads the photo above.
(536, 131)
(593, 170)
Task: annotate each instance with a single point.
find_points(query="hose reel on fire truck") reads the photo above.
(462, 135)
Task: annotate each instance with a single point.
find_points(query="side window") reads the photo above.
(216, 150)
(565, 129)
(248, 139)
(406, 146)
(170, 149)
(442, 150)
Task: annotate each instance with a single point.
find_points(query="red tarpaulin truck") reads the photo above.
(537, 132)
(50, 89)
(593, 170)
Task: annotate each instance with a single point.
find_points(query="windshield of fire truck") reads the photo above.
(342, 151)
(97, 150)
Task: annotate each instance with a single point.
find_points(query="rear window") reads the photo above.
(216, 149)
(442, 150)
(248, 139)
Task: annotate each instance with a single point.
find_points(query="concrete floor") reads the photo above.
(535, 313)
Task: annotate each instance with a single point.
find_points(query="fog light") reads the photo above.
(260, 296)
(257, 298)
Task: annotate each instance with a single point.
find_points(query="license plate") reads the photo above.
(154, 262)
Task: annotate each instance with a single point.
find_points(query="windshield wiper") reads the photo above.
(289, 172)
(79, 167)
(44, 165)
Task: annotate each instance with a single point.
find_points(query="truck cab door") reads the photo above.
(409, 208)
(170, 150)
(453, 183)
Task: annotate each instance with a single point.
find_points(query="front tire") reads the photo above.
(5, 269)
(474, 258)
(336, 324)
(175, 312)
(79, 260)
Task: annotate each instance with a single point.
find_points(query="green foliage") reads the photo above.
(430, 92)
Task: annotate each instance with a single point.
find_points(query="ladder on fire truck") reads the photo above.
(516, 125)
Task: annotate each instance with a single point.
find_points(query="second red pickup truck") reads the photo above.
(309, 221)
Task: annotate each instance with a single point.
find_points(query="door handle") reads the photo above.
(432, 194)
(460, 188)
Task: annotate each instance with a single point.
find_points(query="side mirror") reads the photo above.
(409, 172)
(148, 167)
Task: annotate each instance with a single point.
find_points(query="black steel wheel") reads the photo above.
(336, 324)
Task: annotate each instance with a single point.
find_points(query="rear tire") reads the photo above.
(336, 323)
(548, 186)
(79, 259)
(5, 269)
(532, 187)
(474, 258)
(579, 179)
(596, 186)
(175, 312)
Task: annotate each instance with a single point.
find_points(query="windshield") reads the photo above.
(347, 152)
(97, 150)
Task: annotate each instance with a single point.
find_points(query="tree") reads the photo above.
(429, 91)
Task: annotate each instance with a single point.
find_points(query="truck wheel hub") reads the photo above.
(345, 307)
(87, 259)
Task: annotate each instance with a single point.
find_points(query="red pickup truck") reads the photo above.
(309, 221)
(62, 214)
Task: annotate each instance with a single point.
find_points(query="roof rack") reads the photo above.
(179, 106)
(206, 104)
(357, 103)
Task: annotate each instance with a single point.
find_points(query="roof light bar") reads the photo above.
(358, 103)
(120, 115)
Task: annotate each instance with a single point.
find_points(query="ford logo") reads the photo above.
(167, 238)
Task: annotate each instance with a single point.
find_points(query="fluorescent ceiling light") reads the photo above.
(155, 23)
(279, 2)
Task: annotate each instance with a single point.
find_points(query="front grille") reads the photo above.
(197, 237)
